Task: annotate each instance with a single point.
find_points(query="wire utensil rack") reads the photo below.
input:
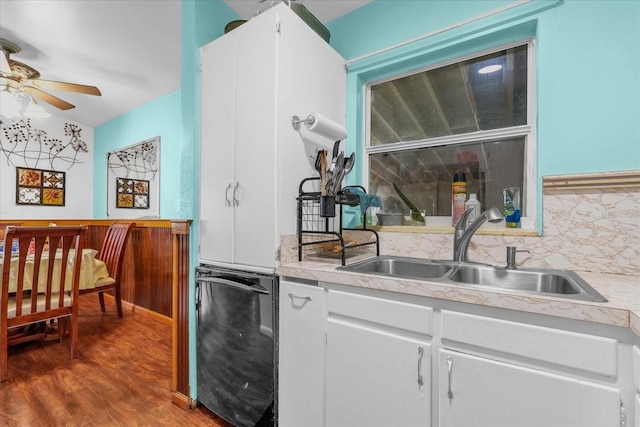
(325, 236)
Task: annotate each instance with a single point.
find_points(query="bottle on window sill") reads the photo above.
(472, 203)
(458, 196)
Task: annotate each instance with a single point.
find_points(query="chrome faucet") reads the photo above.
(462, 235)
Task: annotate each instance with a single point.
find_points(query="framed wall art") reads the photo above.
(133, 180)
(132, 193)
(40, 187)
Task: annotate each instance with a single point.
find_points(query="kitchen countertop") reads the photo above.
(622, 293)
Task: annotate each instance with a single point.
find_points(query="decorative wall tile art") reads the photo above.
(39, 187)
(132, 193)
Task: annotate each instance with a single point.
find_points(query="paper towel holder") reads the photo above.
(320, 125)
(295, 121)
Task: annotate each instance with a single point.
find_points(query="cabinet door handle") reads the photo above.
(450, 372)
(226, 196)
(292, 296)
(420, 354)
(235, 190)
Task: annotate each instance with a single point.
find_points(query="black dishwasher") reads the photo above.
(236, 337)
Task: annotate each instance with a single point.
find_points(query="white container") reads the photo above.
(472, 203)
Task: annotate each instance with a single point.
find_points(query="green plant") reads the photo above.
(415, 213)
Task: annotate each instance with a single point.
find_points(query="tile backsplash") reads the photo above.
(586, 227)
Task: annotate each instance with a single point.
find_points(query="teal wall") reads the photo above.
(589, 87)
(175, 117)
(159, 117)
(202, 21)
(588, 59)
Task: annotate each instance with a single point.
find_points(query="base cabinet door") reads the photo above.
(376, 378)
(301, 356)
(476, 391)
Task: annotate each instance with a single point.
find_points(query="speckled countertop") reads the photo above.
(621, 291)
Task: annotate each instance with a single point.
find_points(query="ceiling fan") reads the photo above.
(23, 78)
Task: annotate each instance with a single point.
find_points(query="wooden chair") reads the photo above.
(4, 225)
(38, 286)
(112, 254)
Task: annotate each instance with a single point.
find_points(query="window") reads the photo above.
(473, 114)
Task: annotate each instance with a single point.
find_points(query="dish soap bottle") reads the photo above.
(472, 203)
(458, 196)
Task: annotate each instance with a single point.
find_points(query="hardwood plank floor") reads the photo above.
(120, 377)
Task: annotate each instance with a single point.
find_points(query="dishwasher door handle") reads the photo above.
(227, 282)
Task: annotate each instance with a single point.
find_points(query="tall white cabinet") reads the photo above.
(253, 80)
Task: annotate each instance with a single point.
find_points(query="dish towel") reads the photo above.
(366, 200)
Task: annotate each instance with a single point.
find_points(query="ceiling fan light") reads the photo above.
(9, 105)
(35, 111)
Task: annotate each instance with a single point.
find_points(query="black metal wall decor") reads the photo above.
(24, 145)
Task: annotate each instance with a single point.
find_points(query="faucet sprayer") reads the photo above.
(462, 235)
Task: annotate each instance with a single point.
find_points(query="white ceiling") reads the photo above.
(129, 50)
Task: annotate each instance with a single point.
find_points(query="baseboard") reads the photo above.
(128, 306)
(183, 402)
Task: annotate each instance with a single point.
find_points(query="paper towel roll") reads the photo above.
(317, 123)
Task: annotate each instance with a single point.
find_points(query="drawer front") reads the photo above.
(395, 314)
(574, 350)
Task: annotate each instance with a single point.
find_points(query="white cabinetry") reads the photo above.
(378, 362)
(253, 80)
(391, 359)
(477, 391)
(523, 374)
(301, 355)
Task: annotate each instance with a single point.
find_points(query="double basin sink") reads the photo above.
(557, 283)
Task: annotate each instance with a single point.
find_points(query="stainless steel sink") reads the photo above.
(540, 281)
(393, 266)
(558, 283)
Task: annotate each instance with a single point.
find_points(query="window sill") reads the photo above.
(449, 230)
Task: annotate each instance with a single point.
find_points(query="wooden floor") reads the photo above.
(120, 377)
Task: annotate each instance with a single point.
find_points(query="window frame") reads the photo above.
(529, 221)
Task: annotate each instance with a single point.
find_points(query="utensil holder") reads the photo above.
(327, 206)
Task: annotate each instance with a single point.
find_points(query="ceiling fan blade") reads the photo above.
(48, 98)
(69, 87)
